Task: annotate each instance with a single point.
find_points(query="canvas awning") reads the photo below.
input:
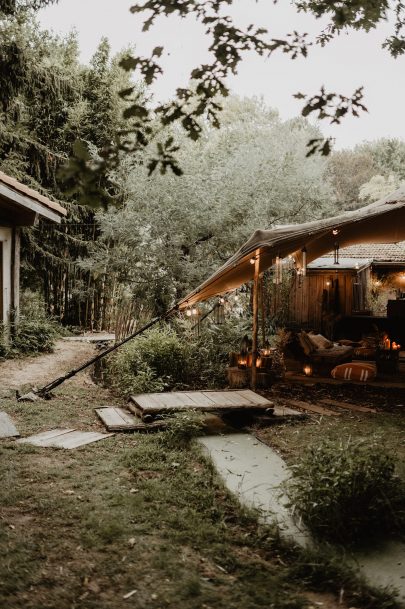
(379, 222)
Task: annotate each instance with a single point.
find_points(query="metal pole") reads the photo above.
(44, 391)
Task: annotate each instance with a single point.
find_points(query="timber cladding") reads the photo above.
(322, 293)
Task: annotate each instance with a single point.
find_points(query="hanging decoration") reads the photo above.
(219, 313)
(336, 253)
(278, 271)
(304, 261)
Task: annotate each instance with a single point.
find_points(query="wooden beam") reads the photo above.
(25, 202)
(15, 278)
(255, 330)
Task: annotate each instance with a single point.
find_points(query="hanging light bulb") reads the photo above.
(335, 232)
(252, 260)
(188, 313)
(195, 311)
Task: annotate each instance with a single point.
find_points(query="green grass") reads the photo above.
(82, 528)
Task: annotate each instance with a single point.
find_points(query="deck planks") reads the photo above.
(157, 403)
(347, 406)
(7, 427)
(314, 408)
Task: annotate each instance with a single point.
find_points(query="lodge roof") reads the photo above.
(377, 252)
(17, 188)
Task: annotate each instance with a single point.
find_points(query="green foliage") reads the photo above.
(183, 427)
(169, 358)
(36, 331)
(156, 361)
(348, 491)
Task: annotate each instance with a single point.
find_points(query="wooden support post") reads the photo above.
(262, 309)
(255, 319)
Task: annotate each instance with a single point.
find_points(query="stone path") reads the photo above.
(254, 472)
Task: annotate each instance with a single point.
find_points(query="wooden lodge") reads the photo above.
(367, 283)
(19, 206)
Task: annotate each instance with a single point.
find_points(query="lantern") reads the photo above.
(258, 362)
(308, 370)
(242, 359)
(266, 349)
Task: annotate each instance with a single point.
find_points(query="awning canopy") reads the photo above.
(379, 222)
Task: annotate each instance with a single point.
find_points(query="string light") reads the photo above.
(188, 313)
(335, 232)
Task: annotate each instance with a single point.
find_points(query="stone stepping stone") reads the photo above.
(7, 427)
(64, 438)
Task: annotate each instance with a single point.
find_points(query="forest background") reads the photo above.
(164, 233)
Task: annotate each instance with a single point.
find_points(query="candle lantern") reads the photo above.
(308, 370)
(266, 349)
(242, 360)
(258, 362)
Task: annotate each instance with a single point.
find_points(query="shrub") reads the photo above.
(36, 332)
(156, 361)
(209, 352)
(348, 491)
(173, 357)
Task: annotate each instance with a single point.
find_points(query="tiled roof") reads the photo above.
(32, 194)
(379, 252)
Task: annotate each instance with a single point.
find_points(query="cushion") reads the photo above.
(305, 343)
(347, 343)
(365, 352)
(355, 371)
(319, 341)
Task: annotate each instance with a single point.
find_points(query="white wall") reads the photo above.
(6, 238)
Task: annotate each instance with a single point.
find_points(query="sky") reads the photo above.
(352, 60)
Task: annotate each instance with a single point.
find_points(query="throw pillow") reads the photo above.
(355, 371)
(305, 343)
(320, 342)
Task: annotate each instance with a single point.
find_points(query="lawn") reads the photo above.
(84, 528)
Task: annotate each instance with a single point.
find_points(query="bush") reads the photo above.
(156, 361)
(173, 357)
(36, 331)
(348, 492)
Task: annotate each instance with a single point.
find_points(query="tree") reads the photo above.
(172, 231)
(202, 100)
(369, 171)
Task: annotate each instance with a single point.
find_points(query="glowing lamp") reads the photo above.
(242, 360)
(308, 370)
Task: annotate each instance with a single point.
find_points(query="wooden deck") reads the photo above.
(207, 401)
(387, 382)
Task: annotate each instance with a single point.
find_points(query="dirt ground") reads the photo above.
(40, 370)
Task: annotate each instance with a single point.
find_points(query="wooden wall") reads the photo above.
(309, 296)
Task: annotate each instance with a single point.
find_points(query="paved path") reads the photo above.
(254, 472)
